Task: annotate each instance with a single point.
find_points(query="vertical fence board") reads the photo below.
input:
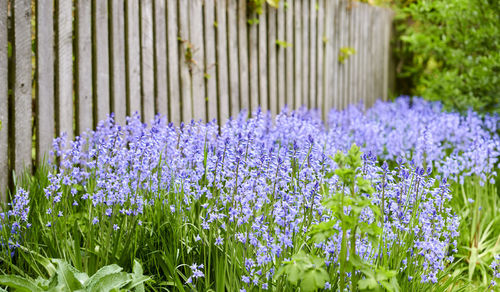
(320, 56)
(173, 63)
(84, 66)
(160, 49)
(329, 66)
(222, 66)
(351, 61)
(197, 65)
(4, 110)
(280, 56)
(304, 58)
(271, 60)
(210, 60)
(22, 86)
(313, 9)
(147, 60)
(133, 57)
(253, 65)
(232, 37)
(297, 44)
(345, 43)
(119, 104)
(102, 59)
(185, 61)
(45, 73)
(262, 28)
(65, 68)
(289, 54)
(386, 51)
(243, 55)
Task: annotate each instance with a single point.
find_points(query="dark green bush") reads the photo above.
(449, 50)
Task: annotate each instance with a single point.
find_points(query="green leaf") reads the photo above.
(19, 283)
(101, 273)
(67, 276)
(110, 282)
(314, 279)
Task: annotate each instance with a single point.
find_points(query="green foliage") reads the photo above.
(306, 271)
(345, 53)
(64, 277)
(256, 7)
(281, 44)
(449, 50)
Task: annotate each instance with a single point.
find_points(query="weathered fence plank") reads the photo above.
(305, 53)
(4, 105)
(185, 61)
(263, 84)
(271, 60)
(160, 49)
(64, 61)
(243, 55)
(297, 47)
(222, 66)
(313, 10)
(329, 39)
(320, 56)
(280, 55)
(118, 93)
(198, 62)
(133, 57)
(101, 73)
(210, 60)
(22, 86)
(173, 63)
(253, 65)
(45, 83)
(289, 56)
(84, 66)
(232, 37)
(147, 60)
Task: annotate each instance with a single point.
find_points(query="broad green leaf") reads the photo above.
(110, 282)
(102, 272)
(67, 275)
(19, 283)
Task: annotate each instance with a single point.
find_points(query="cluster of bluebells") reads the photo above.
(258, 181)
(457, 145)
(14, 221)
(495, 266)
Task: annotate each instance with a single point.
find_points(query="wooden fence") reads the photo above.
(65, 65)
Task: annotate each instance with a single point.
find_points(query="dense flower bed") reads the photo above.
(244, 197)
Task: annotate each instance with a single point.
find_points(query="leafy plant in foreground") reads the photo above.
(64, 277)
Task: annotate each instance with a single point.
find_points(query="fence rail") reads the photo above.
(65, 65)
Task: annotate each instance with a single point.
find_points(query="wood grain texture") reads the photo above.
(210, 60)
(118, 87)
(185, 62)
(133, 53)
(280, 55)
(320, 54)
(160, 48)
(222, 66)
(4, 110)
(147, 60)
(243, 55)
(45, 83)
(297, 48)
(22, 86)
(305, 57)
(101, 43)
(64, 62)
(173, 63)
(263, 64)
(329, 39)
(313, 10)
(272, 60)
(198, 63)
(233, 60)
(84, 66)
(253, 65)
(289, 57)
